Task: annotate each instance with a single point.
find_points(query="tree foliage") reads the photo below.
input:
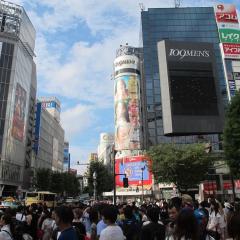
(61, 183)
(184, 165)
(104, 178)
(231, 135)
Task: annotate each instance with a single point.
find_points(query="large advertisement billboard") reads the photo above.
(191, 101)
(136, 169)
(127, 103)
(19, 113)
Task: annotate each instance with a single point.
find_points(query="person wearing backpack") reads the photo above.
(153, 230)
(7, 228)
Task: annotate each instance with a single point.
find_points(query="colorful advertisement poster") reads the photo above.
(127, 114)
(226, 13)
(231, 50)
(136, 168)
(19, 113)
(229, 35)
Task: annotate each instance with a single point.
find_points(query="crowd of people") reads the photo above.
(178, 219)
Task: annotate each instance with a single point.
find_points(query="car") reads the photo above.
(69, 200)
(9, 204)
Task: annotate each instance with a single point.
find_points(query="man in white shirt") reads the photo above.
(112, 231)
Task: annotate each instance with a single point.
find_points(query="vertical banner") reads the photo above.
(127, 103)
(19, 113)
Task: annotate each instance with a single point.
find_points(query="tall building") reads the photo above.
(49, 140)
(17, 96)
(192, 24)
(105, 148)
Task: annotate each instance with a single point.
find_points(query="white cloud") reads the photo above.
(77, 120)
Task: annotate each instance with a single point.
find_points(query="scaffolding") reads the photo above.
(10, 18)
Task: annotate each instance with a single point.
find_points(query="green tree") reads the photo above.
(184, 165)
(71, 184)
(231, 135)
(57, 182)
(43, 179)
(104, 178)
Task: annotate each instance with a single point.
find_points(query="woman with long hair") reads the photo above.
(186, 226)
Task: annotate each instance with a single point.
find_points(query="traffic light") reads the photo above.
(125, 182)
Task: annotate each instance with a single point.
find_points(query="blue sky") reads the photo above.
(75, 48)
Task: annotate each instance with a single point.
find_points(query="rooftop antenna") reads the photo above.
(177, 3)
(142, 7)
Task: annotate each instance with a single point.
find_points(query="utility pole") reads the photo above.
(143, 168)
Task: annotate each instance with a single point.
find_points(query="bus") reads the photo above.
(45, 198)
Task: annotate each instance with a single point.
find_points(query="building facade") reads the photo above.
(175, 24)
(49, 141)
(17, 96)
(105, 148)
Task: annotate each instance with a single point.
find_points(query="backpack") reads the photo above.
(19, 230)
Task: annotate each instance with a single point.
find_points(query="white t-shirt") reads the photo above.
(112, 233)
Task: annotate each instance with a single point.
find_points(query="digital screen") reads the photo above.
(192, 88)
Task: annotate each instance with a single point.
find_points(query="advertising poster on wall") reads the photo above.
(135, 168)
(127, 116)
(19, 113)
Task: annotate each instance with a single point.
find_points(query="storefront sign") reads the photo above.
(231, 50)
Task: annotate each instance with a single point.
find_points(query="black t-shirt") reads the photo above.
(153, 231)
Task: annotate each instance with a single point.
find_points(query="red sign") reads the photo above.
(226, 13)
(231, 50)
(136, 168)
(212, 185)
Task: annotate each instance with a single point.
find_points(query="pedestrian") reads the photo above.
(112, 231)
(64, 218)
(214, 221)
(233, 227)
(77, 221)
(131, 228)
(186, 226)
(153, 230)
(7, 228)
(174, 207)
(93, 216)
(47, 226)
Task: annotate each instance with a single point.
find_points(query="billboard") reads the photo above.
(127, 103)
(226, 13)
(191, 101)
(231, 50)
(135, 168)
(19, 113)
(229, 35)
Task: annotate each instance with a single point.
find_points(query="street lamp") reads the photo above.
(94, 185)
(143, 168)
